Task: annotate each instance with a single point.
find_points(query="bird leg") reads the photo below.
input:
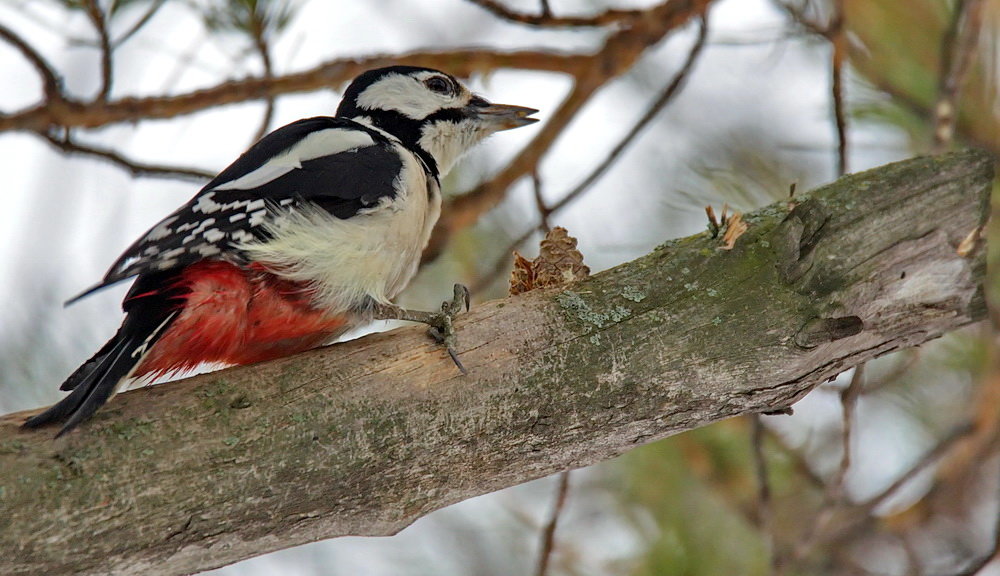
(441, 323)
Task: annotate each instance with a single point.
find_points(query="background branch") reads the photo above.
(620, 52)
(99, 21)
(51, 84)
(67, 144)
(546, 19)
(548, 539)
(665, 97)
(957, 52)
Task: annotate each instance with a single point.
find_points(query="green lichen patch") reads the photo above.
(582, 312)
(129, 429)
(632, 293)
(214, 388)
(11, 447)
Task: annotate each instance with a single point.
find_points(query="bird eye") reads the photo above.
(438, 84)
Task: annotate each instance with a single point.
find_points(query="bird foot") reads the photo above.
(441, 324)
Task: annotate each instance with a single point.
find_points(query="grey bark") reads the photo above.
(364, 437)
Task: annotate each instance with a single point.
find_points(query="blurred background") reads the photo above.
(893, 469)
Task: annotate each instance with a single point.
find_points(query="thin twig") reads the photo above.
(549, 530)
(543, 210)
(546, 9)
(849, 402)
(652, 112)
(833, 496)
(97, 18)
(672, 89)
(796, 458)
(957, 50)
(929, 458)
(619, 53)
(51, 83)
(838, 40)
(764, 515)
(863, 512)
(261, 43)
(853, 519)
(798, 14)
(66, 144)
(906, 360)
(546, 19)
(834, 33)
(913, 567)
(977, 566)
(154, 7)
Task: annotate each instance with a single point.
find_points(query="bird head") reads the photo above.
(430, 111)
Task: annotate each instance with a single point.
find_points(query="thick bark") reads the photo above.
(364, 437)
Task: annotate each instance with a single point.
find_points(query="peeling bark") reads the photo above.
(364, 437)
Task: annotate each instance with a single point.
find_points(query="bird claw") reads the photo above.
(442, 328)
(441, 324)
(460, 299)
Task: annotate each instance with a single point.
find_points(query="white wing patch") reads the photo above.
(271, 170)
(316, 145)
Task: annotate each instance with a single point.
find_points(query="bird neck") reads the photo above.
(408, 131)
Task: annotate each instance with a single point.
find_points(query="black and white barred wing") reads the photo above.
(331, 163)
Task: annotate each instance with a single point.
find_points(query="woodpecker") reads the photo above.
(311, 232)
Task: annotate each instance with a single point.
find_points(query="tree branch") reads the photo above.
(364, 437)
(76, 114)
(609, 17)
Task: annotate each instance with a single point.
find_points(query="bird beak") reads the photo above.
(501, 116)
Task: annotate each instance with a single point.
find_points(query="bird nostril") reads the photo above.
(479, 101)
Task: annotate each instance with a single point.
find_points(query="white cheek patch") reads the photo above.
(406, 95)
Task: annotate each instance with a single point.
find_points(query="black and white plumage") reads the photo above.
(397, 131)
(297, 240)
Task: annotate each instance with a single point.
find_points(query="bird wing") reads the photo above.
(336, 164)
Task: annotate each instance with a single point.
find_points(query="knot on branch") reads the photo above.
(796, 239)
(822, 330)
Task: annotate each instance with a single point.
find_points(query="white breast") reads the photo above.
(369, 257)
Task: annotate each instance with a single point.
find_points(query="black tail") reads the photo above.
(94, 382)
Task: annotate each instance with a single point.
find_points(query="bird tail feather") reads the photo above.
(97, 380)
